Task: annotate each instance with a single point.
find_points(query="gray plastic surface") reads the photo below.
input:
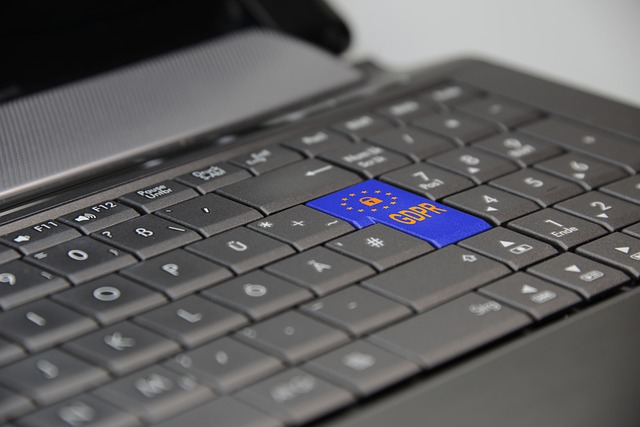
(80, 128)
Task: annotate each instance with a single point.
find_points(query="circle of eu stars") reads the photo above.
(352, 201)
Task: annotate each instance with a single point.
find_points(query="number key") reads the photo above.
(474, 164)
(588, 172)
(606, 210)
(538, 186)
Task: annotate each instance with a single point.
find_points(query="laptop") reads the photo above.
(209, 218)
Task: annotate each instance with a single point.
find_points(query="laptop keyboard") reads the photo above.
(295, 279)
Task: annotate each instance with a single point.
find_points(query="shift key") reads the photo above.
(290, 185)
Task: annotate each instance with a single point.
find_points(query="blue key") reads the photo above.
(374, 202)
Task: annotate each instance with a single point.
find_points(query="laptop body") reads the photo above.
(573, 368)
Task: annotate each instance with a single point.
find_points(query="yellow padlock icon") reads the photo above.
(370, 201)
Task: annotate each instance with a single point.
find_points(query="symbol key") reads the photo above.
(617, 249)
(21, 283)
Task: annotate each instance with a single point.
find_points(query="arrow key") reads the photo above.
(616, 249)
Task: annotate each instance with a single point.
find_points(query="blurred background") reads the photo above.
(589, 44)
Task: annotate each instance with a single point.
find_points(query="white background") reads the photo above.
(589, 44)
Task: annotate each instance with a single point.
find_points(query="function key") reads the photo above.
(266, 159)
(614, 149)
(158, 196)
(408, 109)
(314, 143)
(585, 171)
(433, 182)
(367, 159)
(504, 113)
(538, 186)
(97, 217)
(616, 249)
(412, 142)
(451, 94)
(212, 177)
(606, 210)
(458, 127)
(41, 236)
(522, 149)
(476, 165)
(364, 125)
(628, 189)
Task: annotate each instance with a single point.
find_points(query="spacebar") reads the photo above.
(290, 185)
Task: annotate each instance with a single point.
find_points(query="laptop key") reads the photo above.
(158, 196)
(9, 352)
(492, 204)
(177, 273)
(451, 330)
(504, 113)
(519, 148)
(584, 170)
(295, 396)
(13, 405)
(535, 296)
(225, 364)
(628, 189)
(634, 230)
(366, 159)
(356, 310)
(7, 254)
(416, 144)
(290, 185)
(476, 165)
(97, 217)
(458, 127)
(266, 159)
(436, 278)
(362, 126)
(42, 324)
(292, 336)
(302, 227)
(21, 283)
(540, 187)
(51, 376)
(81, 259)
(616, 249)
(241, 249)
(409, 109)
(558, 228)
(212, 177)
(122, 348)
(258, 294)
(433, 182)
(580, 274)
(44, 235)
(312, 144)
(451, 94)
(321, 270)
(362, 368)
(110, 299)
(154, 393)
(610, 212)
(147, 236)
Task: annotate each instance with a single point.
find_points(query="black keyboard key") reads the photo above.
(366, 159)
(540, 187)
(476, 165)
(356, 310)
(82, 259)
(266, 159)
(158, 196)
(628, 189)
(608, 211)
(411, 142)
(436, 277)
(51, 376)
(581, 138)
(506, 114)
(96, 217)
(362, 368)
(362, 126)
(13, 405)
(584, 170)
(617, 249)
(321, 270)
(154, 394)
(9, 352)
(312, 144)
(295, 396)
(634, 230)
(225, 364)
(45, 235)
(122, 347)
(381, 246)
(537, 297)
(558, 228)
(292, 336)
(212, 177)
(514, 249)
(433, 182)
(177, 273)
(458, 127)
(241, 249)
(227, 412)
(258, 294)
(587, 277)
(110, 299)
(147, 236)
(492, 204)
(81, 411)
(191, 321)
(210, 214)
(21, 283)
(451, 330)
(302, 227)
(7, 254)
(451, 94)
(42, 324)
(409, 109)
(520, 148)
(290, 185)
